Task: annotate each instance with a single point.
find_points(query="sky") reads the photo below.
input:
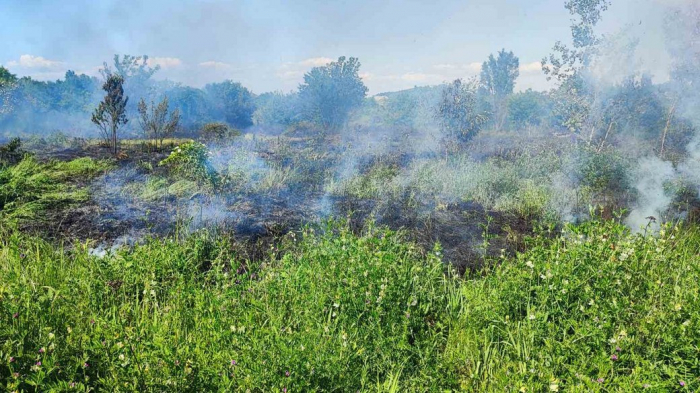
(268, 45)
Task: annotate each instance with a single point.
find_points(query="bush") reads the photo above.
(217, 133)
(191, 160)
(11, 153)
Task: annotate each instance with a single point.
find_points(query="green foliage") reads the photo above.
(11, 152)
(458, 111)
(191, 161)
(567, 62)
(231, 102)
(336, 311)
(604, 172)
(498, 75)
(593, 309)
(29, 189)
(110, 114)
(218, 133)
(6, 78)
(329, 93)
(276, 109)
(526, 109)
(156, 123)
(596, 310)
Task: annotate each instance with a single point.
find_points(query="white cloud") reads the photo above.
(217, 65)
(316, 61)
(29, 61)
(164, 62)
(531, 67)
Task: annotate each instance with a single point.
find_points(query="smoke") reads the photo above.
(653, 201)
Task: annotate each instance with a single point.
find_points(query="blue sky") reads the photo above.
(268, 45)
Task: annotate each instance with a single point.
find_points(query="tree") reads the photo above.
(232, 103)
(458, 111)
(155, 123)
(136, 73)
(568, 62)
(526, 109)
(6, 78)
(276, 108)
(195, 109)
(576, 99)
(8, 83)
(330, 92)
(498, 76)
(110, 114)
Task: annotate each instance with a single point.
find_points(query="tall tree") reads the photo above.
(458, 112)
(498, 76)
(156, 123)
(567, 62)
(576, 99)
(330, 92)
(137, 74)
(232, 103)
(110, 114)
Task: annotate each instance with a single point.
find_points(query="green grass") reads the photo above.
(29, 188)
(344, 312)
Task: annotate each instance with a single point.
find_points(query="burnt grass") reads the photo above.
(255, 223)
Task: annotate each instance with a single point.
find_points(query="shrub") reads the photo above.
(191, 160)
(11, 153)
(217, 133)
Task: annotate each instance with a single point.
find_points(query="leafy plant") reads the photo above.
(191, 160)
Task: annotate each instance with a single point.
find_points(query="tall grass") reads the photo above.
(595, 309)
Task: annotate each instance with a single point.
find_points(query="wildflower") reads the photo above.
(12, 359)
(38, 364)
(51, 336)
(523, 389)
(85, 365)
(613, 357)
(682, 383)
(618, 349)
(92, 322)
(22, 256)
(646, 386)
(72, 384)
(531, 317)
(408, 315)
(233, 362)
(336, 305)
(553, 387)
(121, 357)
(287, 373)
(530, 264)
(600, 380)
(677, 307)
(42, 350)
(284, 390)
(15, 375)
(15, 315)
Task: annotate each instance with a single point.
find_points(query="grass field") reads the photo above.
(593, 309)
